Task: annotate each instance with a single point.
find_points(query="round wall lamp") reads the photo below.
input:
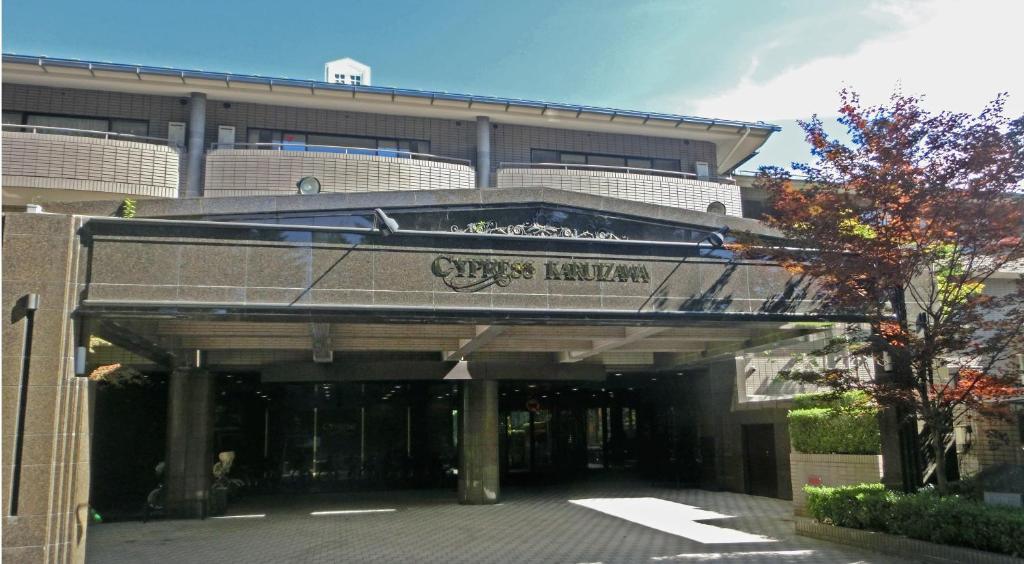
(308, 185)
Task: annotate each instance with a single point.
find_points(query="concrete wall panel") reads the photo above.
(40, 256)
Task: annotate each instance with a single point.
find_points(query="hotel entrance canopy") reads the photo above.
(568, 275)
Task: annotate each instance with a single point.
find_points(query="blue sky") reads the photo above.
(751, 60)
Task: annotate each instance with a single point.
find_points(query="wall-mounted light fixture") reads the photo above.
(80, 356)
(383, 222)
(308, 185)
(716, 238)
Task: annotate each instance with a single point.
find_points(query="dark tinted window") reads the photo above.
(554, 156)
(543, 156)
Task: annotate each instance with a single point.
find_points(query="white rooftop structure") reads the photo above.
(347, 71)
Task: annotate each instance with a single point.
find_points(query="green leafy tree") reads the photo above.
(906, 223)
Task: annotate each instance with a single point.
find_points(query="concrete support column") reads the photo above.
(483, 152)
(189, 442)
(196, 141)
(478, 443)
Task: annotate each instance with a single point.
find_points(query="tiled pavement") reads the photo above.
(530, 525)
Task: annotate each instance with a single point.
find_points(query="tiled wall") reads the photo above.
(35, 160)
(831, 470)
(238, 172)
(762, 369)
(710, 408)
(992, 441)
(661, 190)
(447, 138)
(159, 110)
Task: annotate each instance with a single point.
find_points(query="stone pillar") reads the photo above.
(46, 509)
(196, 142)
(483, 152)
(478, 443)
(190, 456)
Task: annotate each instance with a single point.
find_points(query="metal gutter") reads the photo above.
(139, 71)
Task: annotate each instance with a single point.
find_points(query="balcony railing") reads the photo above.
(38, 159)
(622, 169)
(304, 148)
(653, 186)
(84, 133)
(238, 169)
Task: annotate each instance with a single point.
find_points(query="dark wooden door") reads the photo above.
(759, 460)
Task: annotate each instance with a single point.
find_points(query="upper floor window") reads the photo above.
(339, 77)
(568, 157)
(357, 79)
(331, 143)
(137, 127)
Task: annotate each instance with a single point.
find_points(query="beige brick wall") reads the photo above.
(239, 172)
(831, 470)
(993, 441)
(662, 190)
(36, 160)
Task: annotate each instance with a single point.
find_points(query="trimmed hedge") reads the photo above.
(844, 425)
(852, 399)
(925, 515)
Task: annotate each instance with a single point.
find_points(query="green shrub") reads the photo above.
(858, 507)
(925, 515)
(845, 400)
(820, 430)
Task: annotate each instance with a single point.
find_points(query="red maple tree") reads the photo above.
(906, 222)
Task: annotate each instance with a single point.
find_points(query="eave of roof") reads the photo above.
(735, 140)
(320, 85)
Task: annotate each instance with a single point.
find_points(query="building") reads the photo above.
(352, 286)
(347, 71)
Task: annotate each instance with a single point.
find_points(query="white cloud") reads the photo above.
(959, 54)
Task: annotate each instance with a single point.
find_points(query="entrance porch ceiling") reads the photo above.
(247, 342)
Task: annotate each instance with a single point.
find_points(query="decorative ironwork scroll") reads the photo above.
(534, 229)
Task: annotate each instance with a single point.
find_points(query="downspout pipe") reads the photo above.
(196, 142)
(483, 151)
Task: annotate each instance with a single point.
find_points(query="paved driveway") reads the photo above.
(584, 522)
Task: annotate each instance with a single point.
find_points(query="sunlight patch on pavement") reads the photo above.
(351, 512)
(670, 517)
(253, 516)
(735, 556)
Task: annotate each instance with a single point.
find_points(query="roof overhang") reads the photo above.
(734, 140)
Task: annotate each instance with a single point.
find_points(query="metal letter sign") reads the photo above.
(472, 274)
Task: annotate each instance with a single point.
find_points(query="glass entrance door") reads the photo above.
(528, 440)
